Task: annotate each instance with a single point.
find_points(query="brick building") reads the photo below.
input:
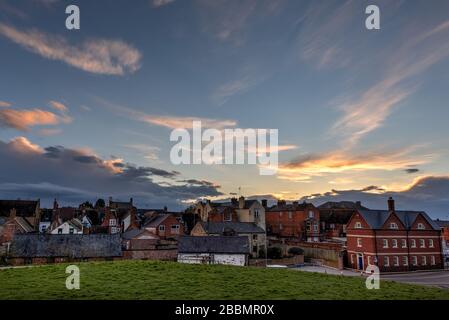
(296, 220)
(165, 226)
(393, 240)
(334, 216)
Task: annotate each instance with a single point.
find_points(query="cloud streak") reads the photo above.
(100, 56)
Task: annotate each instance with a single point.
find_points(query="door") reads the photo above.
(360, 261)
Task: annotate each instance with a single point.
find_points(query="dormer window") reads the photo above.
(112, 222)
(311, 214)
(393, 225)
(358, 225)
(421, 226)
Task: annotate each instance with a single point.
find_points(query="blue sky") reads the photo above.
(354, 108)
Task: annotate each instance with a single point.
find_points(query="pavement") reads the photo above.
(438, 279)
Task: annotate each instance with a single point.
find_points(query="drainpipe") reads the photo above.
(375, 247)
(408, 250)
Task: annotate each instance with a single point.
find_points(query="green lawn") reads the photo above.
(169, 280)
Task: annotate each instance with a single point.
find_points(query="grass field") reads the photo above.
(169, 280)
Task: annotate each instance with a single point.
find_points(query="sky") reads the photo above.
(362, 114)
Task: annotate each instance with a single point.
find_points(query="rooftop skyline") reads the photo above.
(362, 114)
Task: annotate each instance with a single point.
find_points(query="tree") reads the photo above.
(100, 203)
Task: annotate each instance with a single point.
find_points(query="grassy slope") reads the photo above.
(164, 280)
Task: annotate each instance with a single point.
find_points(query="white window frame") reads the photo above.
(161, 227)
(358, 225)
(386, 261)
(394, 225)
(432, 260)
(422, 243)
(174, 228)
(405, 260)
(421, 226)
(369, 260)
(394, 243)
(431, 244)
(112, 222)
(385, 243)
(290, 215)
(414, 260)
(396, 261)
(311, 214)
(403, 243)
(359, 242)
(413, 243)
(424, 260)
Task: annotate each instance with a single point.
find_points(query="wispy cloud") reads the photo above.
(4, 104)
(309, 166)
(58, 106)
(171, 122)
(368, 111)
(101, 56)
(160, 3)
(234, 87)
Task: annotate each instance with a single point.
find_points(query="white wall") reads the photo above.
(66, 229)
(228, 259)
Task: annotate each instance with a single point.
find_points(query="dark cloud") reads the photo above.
(27, 171)
(412, 170)
(430, 194)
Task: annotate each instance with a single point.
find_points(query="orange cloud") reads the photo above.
(23, 145)
(4, 104)
(58, 106)
(24, 119)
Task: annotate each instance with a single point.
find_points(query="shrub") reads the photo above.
(274, 253)
(295, 251)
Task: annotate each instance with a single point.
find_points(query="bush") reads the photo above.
(274, 253)
(295, 251)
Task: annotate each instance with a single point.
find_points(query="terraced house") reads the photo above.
(393, 240)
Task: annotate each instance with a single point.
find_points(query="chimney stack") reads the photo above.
(13, 213)
(390, 204)
(241, 202)
(358, 204)
(110, 201)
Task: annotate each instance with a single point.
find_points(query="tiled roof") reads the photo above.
(376, 218)
(442, 223)
(238, 227)
(342, 205)
(74, 246)
(24, 208)
(290, 207)
(216, 244)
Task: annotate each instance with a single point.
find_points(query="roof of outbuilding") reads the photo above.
(238, 227)
(376, 218)
(74, 246)
(442, 223)
(215, 244)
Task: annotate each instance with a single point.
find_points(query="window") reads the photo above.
(393, 225)
(311, 214)
(280, 214)
(415, 260)
(280, 226)
(352, 259)
(71, 231)
(112, 222)
(396, 261)
(254, 237)
(332, 226)
(413, 243)
(358, 225)
(421, 226)
(394, 243)
(430, 243)
(432, 260)
(423, 260)
(256, 213)
(359, 242)
(315, 227)
(385, 243)
(290, 215)
(60, 231)
(422, 243)
(175, 229)
(404, 243)
(161, 227)
(227, 216)
(386, 261)
(254, 248)
(369, 260)
(405, 260)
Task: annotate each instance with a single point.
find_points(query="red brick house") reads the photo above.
(222, 214)
(120, 217)
(295, 220)
(444, 225)
(166, 225)
(393, 240)
(334, 216)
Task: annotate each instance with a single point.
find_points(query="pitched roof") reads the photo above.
(216, 244)
(376, 218)
(442, 223)
(74, 246)
(24, 224)
(291, 207)
(156, 220)
(238, 227)
(24, 208)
